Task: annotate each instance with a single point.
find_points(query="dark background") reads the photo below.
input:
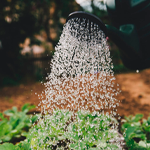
(35, 20)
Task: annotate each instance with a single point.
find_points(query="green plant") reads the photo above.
(64, 129)
(17, 124)
(82, 130)
(136, 132)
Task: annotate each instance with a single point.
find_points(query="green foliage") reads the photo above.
(7, 146)
(81, 131)
(17, 124)
(136, 132)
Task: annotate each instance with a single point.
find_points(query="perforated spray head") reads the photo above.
(89, 17)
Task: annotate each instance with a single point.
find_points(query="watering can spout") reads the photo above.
(131, 31)
(126, 39)
(131, 38)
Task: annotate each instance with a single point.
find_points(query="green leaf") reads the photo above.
(27, 107)
(129, 131)
(148, 120)
(17, 135)
(82, 145)
(20, 126)
(24, 107)
(142, 143)
(112, 146)
(24, 145)
(15, 109)
(138, 117)
(102, 144)
(9, 112)
(34, 118)
(14, 121)
(75, 137)
(6, 138)
(130, 143)
(5, 129)
(73, 145)
(141, 136)
(2, 117)
(25, 134)
(133, 119)
(7, 146)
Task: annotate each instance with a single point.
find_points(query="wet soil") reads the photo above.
(134, 97)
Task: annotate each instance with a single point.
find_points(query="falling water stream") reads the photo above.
(82, 77)
(81, 71)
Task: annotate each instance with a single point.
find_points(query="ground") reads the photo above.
(134, 96)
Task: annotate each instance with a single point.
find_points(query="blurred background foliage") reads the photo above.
(40, 22)
(21, 19)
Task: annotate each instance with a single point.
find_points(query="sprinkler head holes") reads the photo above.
(90, 18)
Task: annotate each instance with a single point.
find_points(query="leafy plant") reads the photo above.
(82, 130)
(136, 132)
(66, 130)
(17, 124)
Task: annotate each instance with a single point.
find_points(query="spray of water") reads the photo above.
(81, 77)
(81, 72)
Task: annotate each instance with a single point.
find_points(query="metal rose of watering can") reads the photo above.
(130, 30)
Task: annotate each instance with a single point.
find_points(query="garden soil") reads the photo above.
(134, 97)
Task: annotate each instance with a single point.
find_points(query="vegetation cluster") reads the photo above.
(64, 130)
